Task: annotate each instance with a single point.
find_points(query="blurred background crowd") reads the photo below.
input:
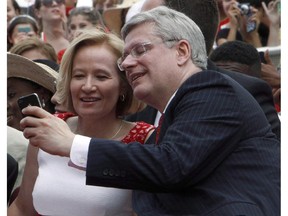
(56, 23)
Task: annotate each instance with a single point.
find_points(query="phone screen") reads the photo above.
(29, 100)
(25, 29)
(261, 55)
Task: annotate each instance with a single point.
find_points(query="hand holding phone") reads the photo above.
(262, 57)
(29, 100)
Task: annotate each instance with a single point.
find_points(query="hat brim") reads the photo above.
(113, 20)
(112, 16)
(21, 67)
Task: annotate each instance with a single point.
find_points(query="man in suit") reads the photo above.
(208, 24)
(216, 153)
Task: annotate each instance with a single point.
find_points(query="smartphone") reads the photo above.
(29, 100)
(262, 58)
(25, 29)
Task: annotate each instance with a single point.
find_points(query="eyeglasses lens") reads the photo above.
(138, 51)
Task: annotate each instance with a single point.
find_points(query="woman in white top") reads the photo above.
(90, 85)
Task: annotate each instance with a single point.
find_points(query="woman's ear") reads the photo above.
(122, 92)
(183, 52)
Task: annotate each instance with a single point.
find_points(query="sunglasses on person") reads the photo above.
(49, 3)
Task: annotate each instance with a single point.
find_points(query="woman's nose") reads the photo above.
(89, 85)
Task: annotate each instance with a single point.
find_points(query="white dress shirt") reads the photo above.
(80, 145)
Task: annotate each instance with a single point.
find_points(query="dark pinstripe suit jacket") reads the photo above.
(216, 156)
(258, 88)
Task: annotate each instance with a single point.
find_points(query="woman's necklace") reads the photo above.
(117, 132)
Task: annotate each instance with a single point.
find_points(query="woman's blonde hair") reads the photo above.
(126, 104)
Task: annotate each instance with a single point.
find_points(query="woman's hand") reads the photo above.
(272, 12)
(234, 15)
(273, 15)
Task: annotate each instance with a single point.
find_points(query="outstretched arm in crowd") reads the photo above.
(270, 74)
(234, 15)
(251, 37)
(273, 15)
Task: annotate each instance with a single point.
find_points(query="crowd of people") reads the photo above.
(148, 107)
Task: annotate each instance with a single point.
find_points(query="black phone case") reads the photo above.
(29, 100)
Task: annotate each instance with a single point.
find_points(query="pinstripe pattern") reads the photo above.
(216, 156)
(260, 90)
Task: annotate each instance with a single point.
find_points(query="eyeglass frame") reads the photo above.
(49, 3)
(134, 54)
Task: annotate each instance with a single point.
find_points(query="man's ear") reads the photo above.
(183, 52)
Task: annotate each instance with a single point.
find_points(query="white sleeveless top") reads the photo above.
(61, 190)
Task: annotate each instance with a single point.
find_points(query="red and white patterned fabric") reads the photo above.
(138, 133)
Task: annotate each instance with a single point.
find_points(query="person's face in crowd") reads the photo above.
(54, 11)
(149, 73)
(11, 12)
(22, 32)
(95, 82)
(238, 67)
(150, 4)
(78, 22)
(34, 54)
(16, 88)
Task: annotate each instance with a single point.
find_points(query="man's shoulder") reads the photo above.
(246, 81)
(205, 76)
(204, 81)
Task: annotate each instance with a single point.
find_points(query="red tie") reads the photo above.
(159, 127)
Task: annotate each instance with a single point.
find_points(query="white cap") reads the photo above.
(134, 9)
(25, 3)
(84, 3)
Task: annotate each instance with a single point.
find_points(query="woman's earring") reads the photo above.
(43, 103)
(122, 97)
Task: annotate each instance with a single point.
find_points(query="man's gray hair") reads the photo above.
(172, 25)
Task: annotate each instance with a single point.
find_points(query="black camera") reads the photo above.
(246, 11)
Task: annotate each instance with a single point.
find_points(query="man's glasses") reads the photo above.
(49, 3)
(136, 52)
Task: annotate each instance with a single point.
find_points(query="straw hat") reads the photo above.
(113, 15)
(21, 67)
